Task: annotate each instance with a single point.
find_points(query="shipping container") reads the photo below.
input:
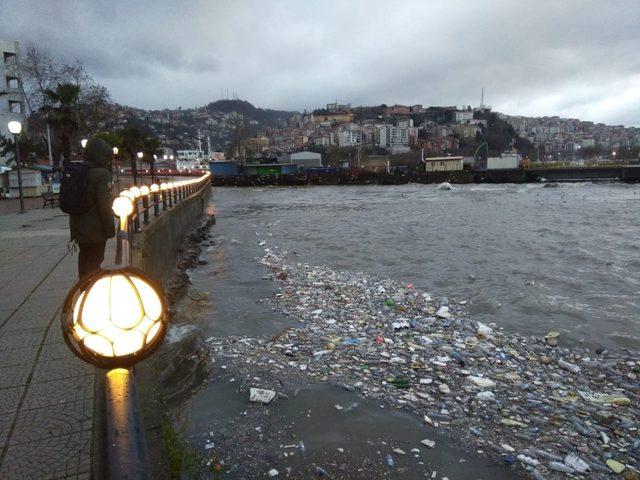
(504, 162)
(224, 168)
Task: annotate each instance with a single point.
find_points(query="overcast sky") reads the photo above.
(573, 58)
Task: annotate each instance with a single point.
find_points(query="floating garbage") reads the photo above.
(260, 395)
(550, 410)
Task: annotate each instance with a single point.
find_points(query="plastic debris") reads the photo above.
(576, 463)
(482, 382)
(260, 395)
(615, 466)
(503, 392)
(604, 398)
(390, 462)
(568, 366)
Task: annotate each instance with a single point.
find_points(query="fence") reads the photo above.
(120, 443)
(149, 201)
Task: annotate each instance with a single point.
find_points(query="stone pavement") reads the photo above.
(46, 394)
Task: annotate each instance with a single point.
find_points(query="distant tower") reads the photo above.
(482, 99)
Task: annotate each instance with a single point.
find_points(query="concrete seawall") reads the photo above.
(155, 249)
(625, 174)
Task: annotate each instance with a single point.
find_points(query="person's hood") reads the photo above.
(98, 152)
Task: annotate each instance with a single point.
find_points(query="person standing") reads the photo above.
(95, 225)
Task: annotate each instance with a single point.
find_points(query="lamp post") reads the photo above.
(113, 319)
(83, 142)
(15, 127)
(140, 155)
(115, 154)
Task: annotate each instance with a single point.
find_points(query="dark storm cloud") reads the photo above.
(571, 58)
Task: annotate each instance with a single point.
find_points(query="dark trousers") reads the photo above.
(90, 257)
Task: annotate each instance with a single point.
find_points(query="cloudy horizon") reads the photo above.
(573, 58)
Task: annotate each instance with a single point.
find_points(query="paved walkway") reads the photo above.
(46, 394)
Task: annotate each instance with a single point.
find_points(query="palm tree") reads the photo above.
(151, 149)
(62, 109)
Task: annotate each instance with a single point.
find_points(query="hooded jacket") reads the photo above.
(96, 224)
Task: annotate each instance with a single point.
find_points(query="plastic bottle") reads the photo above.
(390, 461)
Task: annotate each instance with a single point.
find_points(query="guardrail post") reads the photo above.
(125, 446)
(145, 208)
(136, 219)
(164, 199)
(156, 207)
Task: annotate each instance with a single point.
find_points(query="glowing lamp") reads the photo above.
(140, 154)
(83, 142)
(128, 194)
(135, 191)
(163, 186)
(114, 318)
(154, 188)
(144, 190)
(15, 127)
(115, 150)
(122, 206)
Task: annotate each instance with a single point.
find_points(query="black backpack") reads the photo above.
(74, 186)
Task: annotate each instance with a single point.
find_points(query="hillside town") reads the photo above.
(381, 138)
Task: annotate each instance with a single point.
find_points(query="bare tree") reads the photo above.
(41, 74)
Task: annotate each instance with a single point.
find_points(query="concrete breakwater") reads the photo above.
(623, 174)
(165, 250)
(156, 248)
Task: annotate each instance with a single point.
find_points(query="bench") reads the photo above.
(49, 198)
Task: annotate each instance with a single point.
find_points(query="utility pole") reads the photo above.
(49, 144)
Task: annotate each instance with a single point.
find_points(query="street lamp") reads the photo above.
(135, 191)
(15, 127)
(115, 150)
(115, 317)
(83, 142)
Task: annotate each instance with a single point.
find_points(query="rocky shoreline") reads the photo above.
(549, 410)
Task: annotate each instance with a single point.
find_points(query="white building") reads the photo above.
(443, 164)
(349, 138)
(190, 154)
(12, 101)
(306, 159)
(463, 116)
(188, 164)
(506, 161)
(324, 140)
(392, 137)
